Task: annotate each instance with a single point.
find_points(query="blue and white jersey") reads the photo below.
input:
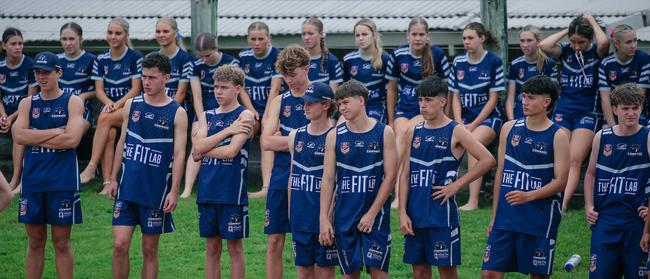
(356, 67)
(406, 68)
(474, 82)
(579, 81)
(46, 169)
(76, 78)
(204, 74)
(292, 116)
(306, 175)
(181, 65)
(333, 73)
(529, 165)
(621, 183)
(359, 174)
(148, 153)
(15, 83)
(117, 74)
(432, 163)
(520, 71)
(612, 72)
(259, 73)
(223, 181)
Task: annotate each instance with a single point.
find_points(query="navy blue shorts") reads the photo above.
(378, 112)
(53, 208)
(433, 246)
(508, 251)
(406, 113)
(356, 249)
(276, 219)
(151, 220)
(88, 115)
(307, 251)
(589, 121)
(615, 254)
(223, 220)
(493, 122)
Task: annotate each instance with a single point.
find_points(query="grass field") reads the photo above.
(182, 252)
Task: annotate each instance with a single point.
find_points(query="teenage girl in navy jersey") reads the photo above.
(324, 66)
(172, 46)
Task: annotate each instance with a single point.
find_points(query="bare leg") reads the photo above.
(490, 274)
(213, 258)
(324, 272)
(37, 236)
(274, 255)
(150, 255)
(17, 152)
(402, 126)
(63, 251)
(305, 272)
(484, 135)
(580, 145)
(107, 159)
(237, 260)
(105, 122)
(121, 244)
(266, 165)
(376, 273)
(5, 193)
(421, 271)
(448, 272)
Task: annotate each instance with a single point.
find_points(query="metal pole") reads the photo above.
(204, 17)
(494, 16)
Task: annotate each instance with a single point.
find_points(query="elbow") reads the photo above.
(266, 145)
(230, 153)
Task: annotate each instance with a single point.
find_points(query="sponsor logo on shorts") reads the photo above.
(486, 254)
(375, 252)
(23, 207)
(155, 218)
(331, 254)
(440, 250)
(267, 218)
(592, 262)
(65, 209)
(235, 223)
(539, 258)
(117, 209)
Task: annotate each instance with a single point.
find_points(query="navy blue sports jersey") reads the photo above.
(621, 183)
(333, 73)
(292, 116)
(259, 73)
(148, 154)
(76, 78)
(406, 68)
(14, 83)
(432, 163)
(306, 176)
(181, 66)
(223, 181)
(359, 174)
(528, 165)
(475, 81)
(356, 67)
(117, 73)
(520, 71)
(204, 74)
(612, 72)
(579, 81)
(46, 169)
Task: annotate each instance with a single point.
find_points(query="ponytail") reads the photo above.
(481, 31)
(174, 25)
(541, 56)
(121, 22)
(324, 52)
(377, 63)
(426, 57)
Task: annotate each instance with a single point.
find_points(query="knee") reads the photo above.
(149, 251)
(236, 250)
(275, 244)
(121, 246)
(61, 244)
(487, 274)
(36, 243)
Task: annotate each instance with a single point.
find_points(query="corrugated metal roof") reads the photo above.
(37, 17)
(643, 34)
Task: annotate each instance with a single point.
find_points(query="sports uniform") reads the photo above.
(356, 67)
(474, 82)
(612, 72)
(523, 236)
(520, 70)
(579, 104)
(50, 191)
(306, 175)
(146, 168)
(333, 73)
(436, 227)
(359, 174)
(620, 187)
(259, 74)
(204, 74)
(76, 78)
(180, 71)
(117, 73)
(14, 83)
(406, 69)
(222, 199)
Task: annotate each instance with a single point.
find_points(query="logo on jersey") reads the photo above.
(136, 116)
(559, 117)
(416, 142)
(404, 67)
(36, 112)
(202, 75)
(540, 147)
(299, 146)
(321, 149)
(515, 140)
(267, 218)
(592, 263)
(23, 207)
(569, 59)
(359, 144)
(634, 150)
(106, 70)
(58, 112)
(354, 70)
(117, 209)
(612, 75)
(286, 111)
(3, 78)
(345, 147)
(607, 150)
(460, 75)
(247, 68)
(521, 73)
(373, 147)
(442, 143)
(486, 254)
(162, 123)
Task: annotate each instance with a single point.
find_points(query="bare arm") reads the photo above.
(245, 100)
(197, 96)
(456, 107)
(590, 180)
(327, 187)
(178, 163)
(119, 149)
(73, 129)
(549, 45)
(607, 108)
(271, 141)
(100, 92)
(21, 132)
(501, 154)
(602, 43)
(391, 100)
(510, 101)
(203, 144)
(486, 110)
(406, 226)
(292, 137)
(136, 87)
(181, 92)
(237, 141)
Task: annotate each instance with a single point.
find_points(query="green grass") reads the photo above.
(182, 252)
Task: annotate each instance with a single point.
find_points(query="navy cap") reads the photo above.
(46, 61)
(318, 92)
